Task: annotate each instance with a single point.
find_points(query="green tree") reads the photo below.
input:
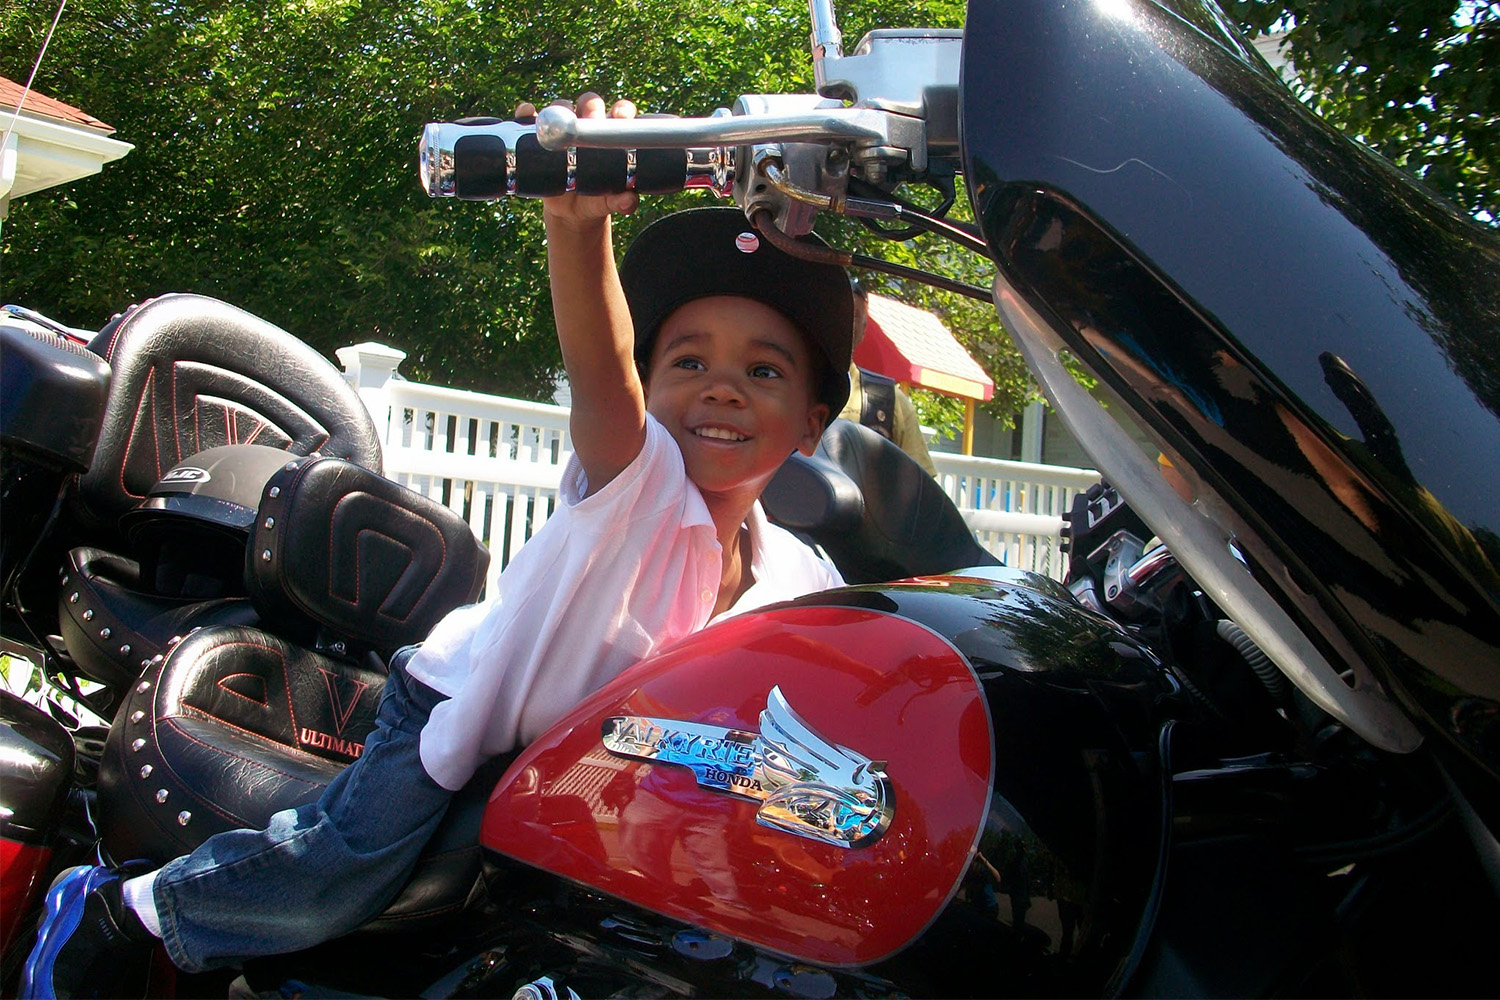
(1408, 77)
(275, 159)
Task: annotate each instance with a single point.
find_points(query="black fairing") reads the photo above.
(1316, 336)
(874, 510)
(36, 770)
(1071, 852)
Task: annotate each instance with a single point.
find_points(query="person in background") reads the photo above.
(878, 402)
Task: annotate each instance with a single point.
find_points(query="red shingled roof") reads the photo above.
(43, 106)
(912, 345)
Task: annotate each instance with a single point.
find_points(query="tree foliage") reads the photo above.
(1406, 76)
(275, 158)
(275, 151)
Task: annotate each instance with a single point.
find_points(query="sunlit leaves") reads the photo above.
(1406, 76)
(275, 160)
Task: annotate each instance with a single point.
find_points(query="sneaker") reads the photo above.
(90, 944)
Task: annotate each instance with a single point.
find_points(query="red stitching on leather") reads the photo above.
(183, 785)
(281, 660)
(442, 559)
(114, 338)
(256, 433)
(201, 714)
(176, 420)
(243, 673)
(140, 404)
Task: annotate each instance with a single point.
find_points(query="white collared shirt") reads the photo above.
(608, 580)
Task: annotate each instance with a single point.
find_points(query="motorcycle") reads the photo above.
(1248, 748)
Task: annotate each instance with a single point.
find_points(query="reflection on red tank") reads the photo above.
(21, 867)
(884, 687)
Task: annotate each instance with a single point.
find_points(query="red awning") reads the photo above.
(913, 346)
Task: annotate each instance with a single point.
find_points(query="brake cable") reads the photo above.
(766, 225)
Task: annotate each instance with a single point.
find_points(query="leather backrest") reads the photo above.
(192, 373)
(907, 526)
(359, 554)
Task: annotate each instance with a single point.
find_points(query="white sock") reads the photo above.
(138, 896)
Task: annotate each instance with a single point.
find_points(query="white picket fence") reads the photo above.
(497, 462)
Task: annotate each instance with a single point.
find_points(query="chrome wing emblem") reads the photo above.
(805, 784)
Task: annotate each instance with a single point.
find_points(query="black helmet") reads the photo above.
(190, 532)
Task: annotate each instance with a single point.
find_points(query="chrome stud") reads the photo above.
(161, 794)
(125, 649)
(275, 492)
(136, 745)
(146, 770)
(290, 466)
(143, 686)
(184, 817)
(73, 597)
(270, 523)
(265, 555)
(137, 715)
(105, 633)
(88, 615)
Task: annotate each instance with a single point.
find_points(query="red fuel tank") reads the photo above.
(811, 781)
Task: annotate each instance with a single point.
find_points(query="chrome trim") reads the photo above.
(709, 168)
(894, 69)
(806, 785)
(1200, 544)
(435, 157)
(827, 40)
(1148, 565)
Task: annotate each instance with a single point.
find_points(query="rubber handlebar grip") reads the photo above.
(479, 167)
(540, 173)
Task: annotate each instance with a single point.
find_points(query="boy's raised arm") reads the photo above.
(594, 330)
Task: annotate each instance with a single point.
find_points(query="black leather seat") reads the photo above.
(192, 373)
(237, 723)
(874, 510)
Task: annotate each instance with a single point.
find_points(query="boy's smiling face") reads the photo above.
(731, 379)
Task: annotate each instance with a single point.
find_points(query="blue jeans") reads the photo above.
(321, 869)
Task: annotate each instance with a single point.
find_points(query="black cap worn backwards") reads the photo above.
(715, 251)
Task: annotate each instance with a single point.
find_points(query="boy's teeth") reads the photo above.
(720, 433)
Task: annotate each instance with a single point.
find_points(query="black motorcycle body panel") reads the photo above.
(1311, 333)
(1063, 891)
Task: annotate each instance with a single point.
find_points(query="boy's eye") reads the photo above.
(691, 364)
(765, 371)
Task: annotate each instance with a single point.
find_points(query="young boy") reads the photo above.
(692, 381)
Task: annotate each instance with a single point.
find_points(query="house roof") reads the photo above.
(42, 106)
(913, 346)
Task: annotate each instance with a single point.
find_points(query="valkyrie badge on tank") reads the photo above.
(806, 785)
